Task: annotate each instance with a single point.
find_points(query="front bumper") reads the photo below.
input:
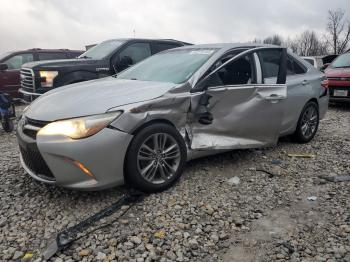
(28, 97)
(53, 159)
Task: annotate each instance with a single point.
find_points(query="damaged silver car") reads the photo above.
(141, 126)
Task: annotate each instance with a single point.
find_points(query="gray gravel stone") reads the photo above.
(201, 218)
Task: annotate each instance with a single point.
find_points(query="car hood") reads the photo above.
(338, 72)
(54, 64)
(93, 97)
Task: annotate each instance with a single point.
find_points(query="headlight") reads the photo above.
(82, 127)
(47, 78)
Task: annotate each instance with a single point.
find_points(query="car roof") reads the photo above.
(148, 39)
(228, 46)
(34, 50)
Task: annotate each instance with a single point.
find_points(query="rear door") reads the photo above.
(10, 78)
(237, 109)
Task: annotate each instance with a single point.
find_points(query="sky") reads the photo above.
(76, 23)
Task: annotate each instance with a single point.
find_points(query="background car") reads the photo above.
(141, 126)
(105, 59)
(10, 65)
(338, 78)
(315, 61)
(320, 62)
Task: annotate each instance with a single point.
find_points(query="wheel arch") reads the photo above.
(136, 131)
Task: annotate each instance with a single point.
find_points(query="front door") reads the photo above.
(236, 109)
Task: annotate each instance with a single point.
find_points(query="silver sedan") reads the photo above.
(141, 126)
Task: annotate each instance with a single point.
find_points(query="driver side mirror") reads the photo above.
(3, 67)
(324, 67)
(124, 62)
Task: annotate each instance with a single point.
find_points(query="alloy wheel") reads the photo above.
(309, 122)
(158, 158)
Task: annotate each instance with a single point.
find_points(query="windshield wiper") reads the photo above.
(342, 66)
(84, 57)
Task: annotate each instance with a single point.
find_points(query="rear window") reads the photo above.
(51, 56)
(309, 60)
(159, 47)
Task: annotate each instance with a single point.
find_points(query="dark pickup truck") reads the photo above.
(11, 62)
(104, 59)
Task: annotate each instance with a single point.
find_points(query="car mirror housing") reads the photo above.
(3, 67)
(324, 67)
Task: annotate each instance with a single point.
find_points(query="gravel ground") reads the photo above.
(203, 217)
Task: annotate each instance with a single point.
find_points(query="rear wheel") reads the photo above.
(307, 124)
(155, 158)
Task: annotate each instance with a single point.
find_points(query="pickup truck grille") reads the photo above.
(27, 79)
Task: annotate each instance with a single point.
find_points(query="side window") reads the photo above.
(293, 67)
(159, 47)
(290, 67)
(238, 72)
(73, 54)
(51, 56)
(136, 52)
(298, 69)
(270, 61)
(17, 61)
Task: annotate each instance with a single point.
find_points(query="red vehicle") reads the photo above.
(338, 78)
(11, 63)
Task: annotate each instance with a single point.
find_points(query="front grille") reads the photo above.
(27, 80)
(35, 162)
(31, 127)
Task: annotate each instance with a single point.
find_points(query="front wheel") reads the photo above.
(7, 125)
(155, 158)
(307, 123)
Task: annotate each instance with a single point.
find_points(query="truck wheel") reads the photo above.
(307, 123)
(156, 158)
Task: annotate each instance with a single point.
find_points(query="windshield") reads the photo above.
(172, 66)
(102, 50)
(2, 56)
(342, 61)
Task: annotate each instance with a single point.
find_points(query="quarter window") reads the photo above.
(17, 61)
(136, 52)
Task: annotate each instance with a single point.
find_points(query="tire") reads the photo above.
(307, 124)
(7, 125)
(151, 170)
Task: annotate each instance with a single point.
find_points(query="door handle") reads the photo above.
(275, 97)
(305, 82)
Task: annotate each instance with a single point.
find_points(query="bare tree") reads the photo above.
(273, 40)
(291, 44)
(338, 30)
(309, 44)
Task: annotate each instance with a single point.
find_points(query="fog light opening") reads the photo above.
(83, 168)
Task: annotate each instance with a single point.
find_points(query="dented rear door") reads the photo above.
(240, 115)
